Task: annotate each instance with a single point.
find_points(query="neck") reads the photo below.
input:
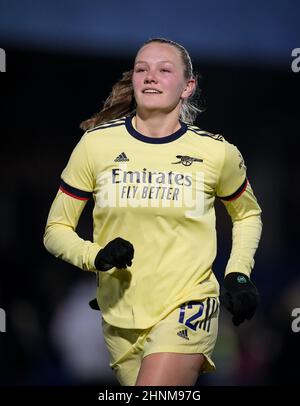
(158, 125)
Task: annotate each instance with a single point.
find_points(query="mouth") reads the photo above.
(151, 91)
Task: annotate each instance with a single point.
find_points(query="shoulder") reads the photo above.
(102, 134)
(196, 131)
(100, 129)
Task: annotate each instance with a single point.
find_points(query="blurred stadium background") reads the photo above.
(62, 59)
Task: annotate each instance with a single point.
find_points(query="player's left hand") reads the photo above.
(94, 304)
(240, 296)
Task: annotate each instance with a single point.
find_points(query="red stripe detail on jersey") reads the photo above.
(70, 194)
(240, 193)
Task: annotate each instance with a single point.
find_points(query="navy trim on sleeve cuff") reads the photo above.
(73, 192)
(237, 193)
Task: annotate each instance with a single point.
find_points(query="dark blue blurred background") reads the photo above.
(62, 60)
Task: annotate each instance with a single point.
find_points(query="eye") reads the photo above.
(140, 70)
(165, 70)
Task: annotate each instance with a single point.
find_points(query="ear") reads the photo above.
(188, 89)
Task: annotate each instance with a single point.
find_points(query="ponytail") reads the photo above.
(119, 103)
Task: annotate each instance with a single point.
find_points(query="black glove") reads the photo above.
(240, 296)
(94, 304)
(117, 253)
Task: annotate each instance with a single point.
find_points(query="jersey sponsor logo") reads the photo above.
(124, 176)
(121, 158)
(121, 187)
(186, 160)
(183, 334)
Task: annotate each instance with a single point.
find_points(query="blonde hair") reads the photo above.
(121, 101)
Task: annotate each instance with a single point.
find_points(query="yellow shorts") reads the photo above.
(189, 329)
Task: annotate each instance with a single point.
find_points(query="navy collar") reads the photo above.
(154, 140)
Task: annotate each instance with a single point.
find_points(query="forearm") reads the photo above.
(246, 232)
(245, 239)
(64, 243)
(60, 237)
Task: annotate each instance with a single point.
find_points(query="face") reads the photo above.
(158, 79)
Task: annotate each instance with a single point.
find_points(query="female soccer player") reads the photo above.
(154, 178)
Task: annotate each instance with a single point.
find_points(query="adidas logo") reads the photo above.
(121, 158)
(183, 334)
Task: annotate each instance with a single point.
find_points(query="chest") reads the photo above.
(166, 178)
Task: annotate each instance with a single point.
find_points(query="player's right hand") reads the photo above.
(117, 253)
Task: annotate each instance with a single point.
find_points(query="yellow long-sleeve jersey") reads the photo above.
(157, 193)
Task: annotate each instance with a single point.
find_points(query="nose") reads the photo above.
(150, 77)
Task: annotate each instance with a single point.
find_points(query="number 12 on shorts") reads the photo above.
(187, 319)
